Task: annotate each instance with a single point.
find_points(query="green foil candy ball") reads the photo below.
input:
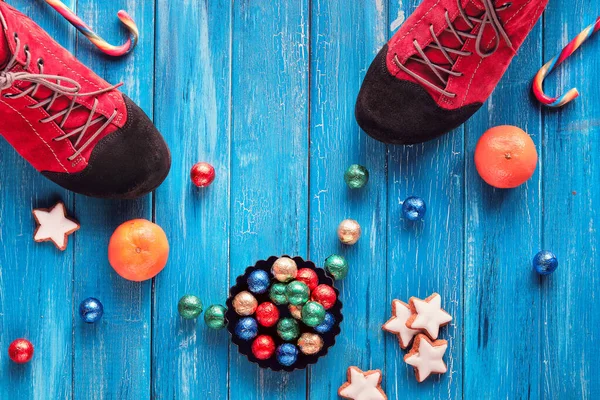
(356, 176)
(288, 329)
(313, 314)
(337, 266)
(214, 317)
(297, 293)
(277, 294)
(189, 307)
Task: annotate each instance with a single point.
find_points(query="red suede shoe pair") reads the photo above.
(441, 66)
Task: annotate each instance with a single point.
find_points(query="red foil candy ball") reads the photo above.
(20, 351)
(202, 174)
(309, 277)
(267, 314)
(263, 347)
(325, 295)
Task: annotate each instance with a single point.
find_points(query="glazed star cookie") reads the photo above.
(362, 385)
(428, 315)
(53, 225)
(401, 312)
(427, 357)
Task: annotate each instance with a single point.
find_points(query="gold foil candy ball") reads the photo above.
(349, 231)
(310, 343)
(284, 269)
(244, 303)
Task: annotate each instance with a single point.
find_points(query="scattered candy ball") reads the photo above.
(263, 347)
(258, 281)
(309, 277)
(20, 351)
(91, 310)
(202, 174)
(310, 343)
(284, 269)
(349, 231)
(356, 176)
(337, 266)
(277, 294)
(545, 263)
(246, 328)
(414, 208)
(297, 293)
(267, 314)
(313, 314)
(244, 303)
(325, 295)
(288, 329)
(327, 324)
(189, 307)
(295, 311)
(214, 317)
(287, 354)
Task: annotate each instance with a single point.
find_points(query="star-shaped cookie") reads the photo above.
(362, 385)
(54, 225)
(397, 324)
(427, 357)
(428, 315)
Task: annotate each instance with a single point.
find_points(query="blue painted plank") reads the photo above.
(112, 357)
(35, 278)
(269, 159)
(345, 36)
(426, 257)
(192, 111)
(501, 294)
(571, 296)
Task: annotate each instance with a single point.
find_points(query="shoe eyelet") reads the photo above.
(16, 35)
(40, 61)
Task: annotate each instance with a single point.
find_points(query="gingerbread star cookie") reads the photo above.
(428, 315)
(53, 225)
(401, 312)
(427, 357)
(362, 385)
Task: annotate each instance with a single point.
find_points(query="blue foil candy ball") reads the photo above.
(414, 208)
(287, 354)
(326, 325)
(258, 281)
(246, 328)
(91, 310)
(545, 262)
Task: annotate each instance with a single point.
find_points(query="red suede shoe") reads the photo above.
(441, 66)
(72, 126)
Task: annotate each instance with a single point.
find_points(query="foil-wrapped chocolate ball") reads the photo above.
(263, 347)
(277, 294)
(214, 316)
(202, 174)
(313, 313)
(288, 329)
(356, 176)
(258, 281)
(91, 310)
(309, 277)
(349, 231)
(287, 354)
(327, 324)
(20, 351)
(284, 269)
(325, 295)
(337, 266)
(297, 293)
(244, 303)
(296, 311)
(545, 262)
(246, 328)
(267, 314)
(310, 343)
(414, 208)
(189, 307)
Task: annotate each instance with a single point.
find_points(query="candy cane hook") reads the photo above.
(569, 49)
(93, 37)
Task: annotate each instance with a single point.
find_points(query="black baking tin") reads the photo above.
(244, 347)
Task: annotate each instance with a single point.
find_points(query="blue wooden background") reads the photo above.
(265, 90)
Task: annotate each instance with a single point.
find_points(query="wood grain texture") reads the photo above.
(570, 300)
(192, 111)
(112, 357)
